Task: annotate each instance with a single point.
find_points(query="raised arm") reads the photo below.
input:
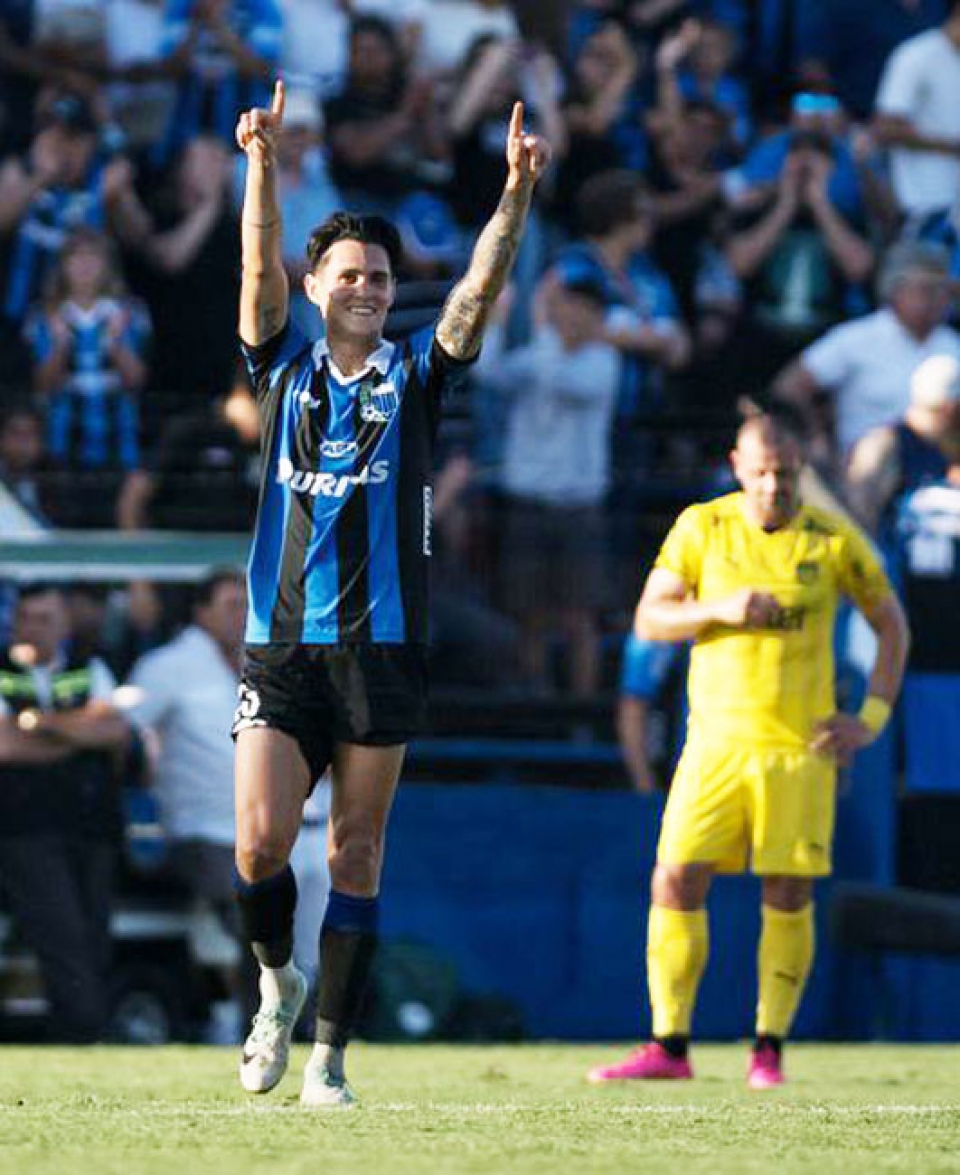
(264, 290)
(462, 322)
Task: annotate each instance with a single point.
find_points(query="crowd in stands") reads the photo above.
(748, 198)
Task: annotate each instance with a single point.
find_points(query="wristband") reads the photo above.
(874, 713)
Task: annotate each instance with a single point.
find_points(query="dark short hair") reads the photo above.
(346, 226)
(207, 587)
(608, 201)
(39, 587)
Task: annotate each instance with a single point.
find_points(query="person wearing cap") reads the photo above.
(918, 118)
(893, 459)
(862, 368)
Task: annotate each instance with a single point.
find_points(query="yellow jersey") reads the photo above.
(769, 686)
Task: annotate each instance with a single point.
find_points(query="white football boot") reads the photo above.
(266, 1050)
(324, 1085)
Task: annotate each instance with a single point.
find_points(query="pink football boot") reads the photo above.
(652, 1062)
(766, 1068)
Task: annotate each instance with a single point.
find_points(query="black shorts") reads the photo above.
(374, 695)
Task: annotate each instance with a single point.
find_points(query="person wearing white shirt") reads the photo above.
(562, 392)
(918, 117)
(182, 696)
(864, 367)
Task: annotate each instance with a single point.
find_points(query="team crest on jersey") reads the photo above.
(807, 573)
(378, 401)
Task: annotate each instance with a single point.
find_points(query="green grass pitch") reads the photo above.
(450, 1110)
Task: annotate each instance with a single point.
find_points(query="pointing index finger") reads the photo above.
(279, 98)
(516, 121)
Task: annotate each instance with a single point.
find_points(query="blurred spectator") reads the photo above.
(139, 96)
(182, 696)
(918, 118)
(22, 460)
(496, 74)
(223, 56)
(62, 184)
(601, 115)
(846, 43)
(685, 195)
(188, 271)
(88, 341)
(25, 67)
(944, 230)
(314, 44)
(895, 458)
(642, 320)
(383, 130)
(203, 474)
(60, 743)
(863, 368)
(562, 390)
(800, 258)
(695, 65)
(306, 192)
(454, 26)
(928, 532)
(646, 710)
(854, 186)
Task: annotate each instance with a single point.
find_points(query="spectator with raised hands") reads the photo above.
(601, 115)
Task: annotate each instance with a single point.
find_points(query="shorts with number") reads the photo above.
(374, 695)
(771, 809)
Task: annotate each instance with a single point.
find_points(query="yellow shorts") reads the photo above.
(768, 808)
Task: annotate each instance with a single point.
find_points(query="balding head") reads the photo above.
(767, 461)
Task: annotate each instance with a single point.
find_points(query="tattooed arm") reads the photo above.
(464, 317)
(264, 290)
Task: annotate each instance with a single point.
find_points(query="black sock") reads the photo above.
(676, 1046)
(266, 913)
(765, 1040)
(347, 944)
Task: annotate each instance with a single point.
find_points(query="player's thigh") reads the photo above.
(705, 820)
(794, 810)
(364, 782)
(272, 781)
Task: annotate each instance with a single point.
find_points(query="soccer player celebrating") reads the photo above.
(754, 579)
(335, 662)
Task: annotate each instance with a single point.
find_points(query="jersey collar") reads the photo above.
(378, 360)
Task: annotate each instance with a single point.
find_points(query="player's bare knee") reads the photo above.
(261, 859)
(680, 887)
(789, 894)
(355, 863)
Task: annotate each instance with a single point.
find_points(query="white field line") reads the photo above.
(481, 1109)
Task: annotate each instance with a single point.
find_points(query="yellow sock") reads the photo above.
(785, 956)
(676, 955)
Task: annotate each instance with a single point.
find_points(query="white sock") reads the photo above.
(329, 1057)
(276, 983)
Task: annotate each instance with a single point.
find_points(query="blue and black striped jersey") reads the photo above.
(342, 540)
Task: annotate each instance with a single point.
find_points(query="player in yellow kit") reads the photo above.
(754, 580)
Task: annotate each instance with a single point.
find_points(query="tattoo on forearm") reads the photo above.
(464, 316)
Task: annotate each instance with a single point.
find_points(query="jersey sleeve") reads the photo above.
(682, 550)
(437, 372)
(860, 574)
(267, 361)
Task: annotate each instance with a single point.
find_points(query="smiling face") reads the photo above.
(353, 287)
